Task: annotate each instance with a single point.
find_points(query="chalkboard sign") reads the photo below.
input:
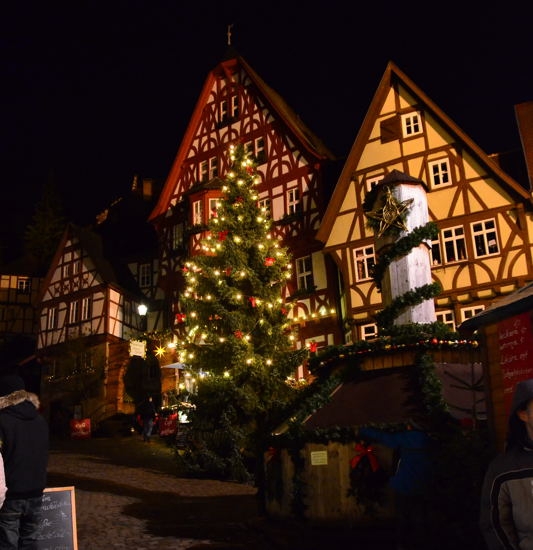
(58, 527)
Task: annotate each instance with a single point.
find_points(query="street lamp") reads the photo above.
(143, 310)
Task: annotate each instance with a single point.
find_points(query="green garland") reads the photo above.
(401, 248)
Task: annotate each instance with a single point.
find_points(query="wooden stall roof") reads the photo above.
(382, 396)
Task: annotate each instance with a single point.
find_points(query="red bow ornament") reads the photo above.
(180, 317)
(362, 451)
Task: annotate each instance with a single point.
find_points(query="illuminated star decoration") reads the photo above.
(160, 351)
(391, 213)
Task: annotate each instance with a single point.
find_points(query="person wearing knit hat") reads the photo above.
(24, 446)
(505, 519)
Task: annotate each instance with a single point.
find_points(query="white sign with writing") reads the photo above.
(319, 458)
(137, 347)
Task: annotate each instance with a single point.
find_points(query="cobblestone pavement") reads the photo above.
(128, 496)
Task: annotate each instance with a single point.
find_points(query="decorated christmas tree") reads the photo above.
(237, 339)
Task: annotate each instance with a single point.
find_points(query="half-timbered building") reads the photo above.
(89, 313)
(237, 106)
(484, 216)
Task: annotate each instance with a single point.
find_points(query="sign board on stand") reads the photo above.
(58, 524)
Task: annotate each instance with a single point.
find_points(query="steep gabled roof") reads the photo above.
(392, 76)
(112, 272)
(271, 98)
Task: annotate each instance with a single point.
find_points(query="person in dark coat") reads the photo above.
(24, 444)
(148, 415)
(506, 508)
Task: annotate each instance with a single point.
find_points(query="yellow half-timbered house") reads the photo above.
(484, 216)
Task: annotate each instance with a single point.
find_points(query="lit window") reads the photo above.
(485, 238)
(439, 173)
(436, 258)
(369, 332)
(51, 322)
(74, 312)
(23, 285)
(304, 273)
(411, 124)
(264, 206)
(293, 201)
(197, 213)
(213, 205)
(453, 240)
(86, 309)
(364, 261)
(468, 312)
(446, 317)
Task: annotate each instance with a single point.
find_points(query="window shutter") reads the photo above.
(390, 129)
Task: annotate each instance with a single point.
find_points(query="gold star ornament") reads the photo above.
(389, 212)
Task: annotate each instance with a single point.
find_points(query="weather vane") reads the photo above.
(229, 34)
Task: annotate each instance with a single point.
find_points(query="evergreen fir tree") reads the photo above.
(238, 342)
(43, 234)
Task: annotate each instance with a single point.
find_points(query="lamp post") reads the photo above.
(143, 310)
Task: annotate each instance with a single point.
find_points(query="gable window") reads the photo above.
(364, 259)
(446, 317)
(85, 309)
(485, 238)
(145, 275)
(234, 106)
(223, 114)
(411, 124)
(468, 312)
(23, 285)
(256, 148)
(293, 201)
(197, 213)
(453, 240)
(304, 273)
(213, 167)
(369, 332)
(51, 321)
(74, 312)
(439, 173)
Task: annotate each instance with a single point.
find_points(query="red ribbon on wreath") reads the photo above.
(362, 451)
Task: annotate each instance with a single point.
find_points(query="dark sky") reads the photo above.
(93, 92)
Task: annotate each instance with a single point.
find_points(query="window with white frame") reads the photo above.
(304, 273)
(204, 170)
(23, 285)
(223, 113)
(435, 254)
(51, 321)
(369, 332)
(145, 275)
(264, 206)
(213, 167)
(468, 312)
(86, 308)
(364, 259)
(485, 238)
(439, 173)
(453, 239)
(293, 200)
(66, 270)
(213, 206)
(234, 106)
(411, 124)
(197, 213)
(74, 312)
(446, 317)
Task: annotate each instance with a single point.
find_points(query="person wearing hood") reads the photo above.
(506, 512)
(24, 446)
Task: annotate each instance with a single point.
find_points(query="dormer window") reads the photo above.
(411, 124)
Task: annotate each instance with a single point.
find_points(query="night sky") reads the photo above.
(94, 92)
